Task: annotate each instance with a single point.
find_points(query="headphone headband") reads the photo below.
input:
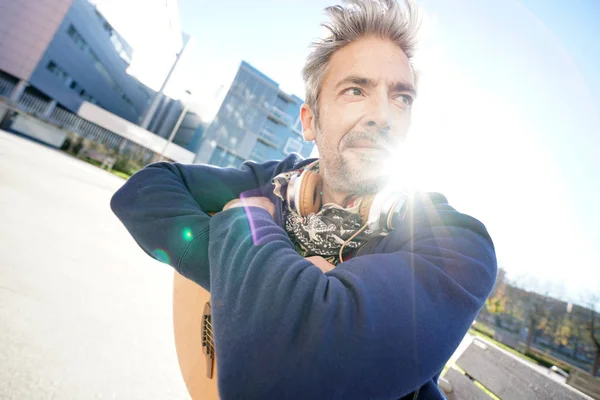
(378, 210)
(384, 207)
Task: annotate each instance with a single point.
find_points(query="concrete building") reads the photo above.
(191, 132)
(72, 55)
(165, 119)
(64, 70)
(256, 121)
(21, 45)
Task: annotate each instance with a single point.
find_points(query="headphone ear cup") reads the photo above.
(310, 193)
(365, 208)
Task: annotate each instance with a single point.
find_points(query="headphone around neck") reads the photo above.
(376, 211)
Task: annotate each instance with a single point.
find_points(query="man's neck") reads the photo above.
(330, 196)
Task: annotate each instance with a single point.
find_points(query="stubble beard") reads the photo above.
(344, 177)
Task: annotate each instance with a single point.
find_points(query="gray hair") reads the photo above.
(356, 19)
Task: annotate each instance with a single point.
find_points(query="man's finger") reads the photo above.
(321, 263)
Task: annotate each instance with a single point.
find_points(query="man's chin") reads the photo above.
(367, 180)
(368, 166)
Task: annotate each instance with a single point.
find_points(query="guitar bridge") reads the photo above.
(208, 341)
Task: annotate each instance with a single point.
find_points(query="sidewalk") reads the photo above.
(85, 314)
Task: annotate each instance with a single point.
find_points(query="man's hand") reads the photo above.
(261, 202)
(266, 204)
(321, 263)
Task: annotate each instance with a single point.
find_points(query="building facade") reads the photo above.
(164, 121)
(190, 132)
(256, 121)
(26, 29)
(63, 72)
(77, 56)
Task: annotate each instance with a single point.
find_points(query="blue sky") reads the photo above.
(506, 123)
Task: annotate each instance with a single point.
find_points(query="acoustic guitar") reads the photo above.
(194, 339)
(194, 335)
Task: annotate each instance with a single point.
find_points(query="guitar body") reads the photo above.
(193, 338)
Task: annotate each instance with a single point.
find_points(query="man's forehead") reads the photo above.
(378, 61)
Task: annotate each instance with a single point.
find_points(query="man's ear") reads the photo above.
(307, 117)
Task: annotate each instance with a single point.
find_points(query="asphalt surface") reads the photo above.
(84, 313)
(541, 369)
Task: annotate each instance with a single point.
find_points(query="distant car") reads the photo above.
(559, 371)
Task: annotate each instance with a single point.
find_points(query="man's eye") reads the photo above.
(406, 99)
(354, 91)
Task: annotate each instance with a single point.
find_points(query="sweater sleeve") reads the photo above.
(165, 208)
(376, 327)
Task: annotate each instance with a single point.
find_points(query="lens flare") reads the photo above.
(162, 256)
(187, 234)
(402, 171)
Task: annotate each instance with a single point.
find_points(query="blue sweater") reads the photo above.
(379, 326)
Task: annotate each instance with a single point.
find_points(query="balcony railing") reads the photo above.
(280, 116)
(267, 137)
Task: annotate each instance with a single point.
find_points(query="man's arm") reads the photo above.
(377, 326)
(165, 208)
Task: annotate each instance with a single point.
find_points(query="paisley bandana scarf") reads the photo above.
(324, 233)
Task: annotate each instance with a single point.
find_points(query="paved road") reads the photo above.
(468, 339)
(84, 313)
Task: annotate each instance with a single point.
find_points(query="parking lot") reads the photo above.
(84, 313)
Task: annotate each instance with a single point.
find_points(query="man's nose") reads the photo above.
(379, 115)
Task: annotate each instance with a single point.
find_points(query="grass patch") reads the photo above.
(486, 330)
(118, 173)
(503, 346)
(93, 162)
(548, 361)
(121, 174)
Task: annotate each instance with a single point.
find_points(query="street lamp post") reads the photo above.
(175, 128)
(149, 113)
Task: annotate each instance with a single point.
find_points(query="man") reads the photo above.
(292, 319)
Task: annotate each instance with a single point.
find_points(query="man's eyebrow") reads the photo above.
(356, 80)
(366, 82)
(404, 87)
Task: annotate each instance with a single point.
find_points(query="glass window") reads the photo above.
(81, 43)
(77, 38)
(216, 157)
(58, 71)
(292, 146)
(93, 56)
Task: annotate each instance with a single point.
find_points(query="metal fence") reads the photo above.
(32, 104)
(97, 134)
(6, 87)
(70, 122)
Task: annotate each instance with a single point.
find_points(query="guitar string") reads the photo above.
(209, 334)
(209, 337)
(212, 348)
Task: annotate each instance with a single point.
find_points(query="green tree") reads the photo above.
(537, 315)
